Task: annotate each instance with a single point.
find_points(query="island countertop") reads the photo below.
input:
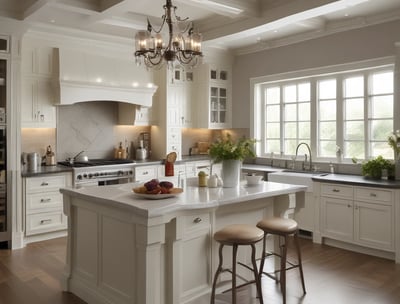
(193, 197)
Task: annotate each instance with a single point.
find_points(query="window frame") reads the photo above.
(339, 72)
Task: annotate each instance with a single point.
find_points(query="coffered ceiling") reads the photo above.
(240, 25)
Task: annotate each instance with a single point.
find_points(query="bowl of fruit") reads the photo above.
(155, 189)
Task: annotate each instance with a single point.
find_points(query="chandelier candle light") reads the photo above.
(183, 46)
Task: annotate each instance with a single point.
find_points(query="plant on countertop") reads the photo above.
(225, 148)
(373, 168)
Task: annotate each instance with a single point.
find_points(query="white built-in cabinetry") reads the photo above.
(37, 93)
(44, 203)
(359, 215)
(213, 97)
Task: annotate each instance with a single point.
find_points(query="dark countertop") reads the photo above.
(46, 170)
(357, 180)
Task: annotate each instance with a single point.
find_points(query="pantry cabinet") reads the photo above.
(360, 215)
(213, 97)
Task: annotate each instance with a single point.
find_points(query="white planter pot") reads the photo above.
(231, 173)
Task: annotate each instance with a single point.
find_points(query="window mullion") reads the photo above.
(367, 143)
(340, 112)
(313, 117)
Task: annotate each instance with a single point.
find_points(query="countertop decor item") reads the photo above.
(183, 44)
(231, 153)
(373, 168)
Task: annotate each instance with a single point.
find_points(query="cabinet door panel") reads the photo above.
(373, 225)
(337, 218)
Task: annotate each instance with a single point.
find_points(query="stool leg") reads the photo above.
(256, 276)
(234, 253)
(219, 268)
(263, 255)
(283, 269)
(296, 239)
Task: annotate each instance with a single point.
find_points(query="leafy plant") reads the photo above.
(225, 148)
(373, 168)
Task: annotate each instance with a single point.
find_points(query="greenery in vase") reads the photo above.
(373, 168)
(225, 148)
(393, 141)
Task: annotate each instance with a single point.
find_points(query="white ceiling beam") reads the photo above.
(34, 8)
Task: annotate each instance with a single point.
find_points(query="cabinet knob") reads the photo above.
(48, 221)
(372, 194)
(348, 206)
(45, 200)
(336, 190)
(197, 220)
(44, 184)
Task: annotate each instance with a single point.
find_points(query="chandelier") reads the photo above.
(182, 46)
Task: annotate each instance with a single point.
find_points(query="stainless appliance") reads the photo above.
(101, 172)
(5, 213)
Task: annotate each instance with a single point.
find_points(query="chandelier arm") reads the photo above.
(157, 56)
(183, 58)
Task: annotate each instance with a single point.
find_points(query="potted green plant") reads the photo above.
(373, 168)
(231, 153)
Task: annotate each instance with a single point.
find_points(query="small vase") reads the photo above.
(231, 173)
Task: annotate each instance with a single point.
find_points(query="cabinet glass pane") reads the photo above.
(214, 91)
(223, 75)
(4, 45)
(222, 104)
(213, 74)
(222, 117)
(214, 116)
(214, 103)
(222, 92)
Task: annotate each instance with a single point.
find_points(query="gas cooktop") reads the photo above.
(96, 162)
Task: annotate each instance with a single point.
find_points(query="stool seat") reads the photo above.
(239, 234)
(278, 225)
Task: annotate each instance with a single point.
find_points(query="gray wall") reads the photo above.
(345, 47)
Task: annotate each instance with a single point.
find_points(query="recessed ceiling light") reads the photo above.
(52, 21)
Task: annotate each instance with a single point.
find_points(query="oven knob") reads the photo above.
(84, 175)
(90, 175)
(120, 172)
(96, 174)
(102, 173)
(79, 177)
(130, 172)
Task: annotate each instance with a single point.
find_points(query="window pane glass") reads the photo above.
(304, 111)
(354, 109)
(273, 146)
(327, 89)
(290, 147)
(382, 148)
(273, 130)
(304, 130)
(304, 91)
(327, 130)
(354, 130)
(273, 95)
(289, 93)
(382, 107)
(273, 113)
(354, 149)
(354, 87)
(381, 129)
(327, 148)
(290, 130)
(327, 110)
(382, 83)
(291, 112)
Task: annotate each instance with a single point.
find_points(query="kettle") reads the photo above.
(141, 152)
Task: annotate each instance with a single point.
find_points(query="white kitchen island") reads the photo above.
(124, 249)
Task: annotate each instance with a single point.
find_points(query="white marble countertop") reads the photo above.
(193, 197)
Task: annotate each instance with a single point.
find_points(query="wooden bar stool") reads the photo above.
(237, 235)
(284, 228)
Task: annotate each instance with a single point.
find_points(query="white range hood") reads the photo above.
(87, 77)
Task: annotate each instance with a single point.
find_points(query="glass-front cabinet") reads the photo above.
(214, 109)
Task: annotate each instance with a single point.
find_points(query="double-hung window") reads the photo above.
(350, 113)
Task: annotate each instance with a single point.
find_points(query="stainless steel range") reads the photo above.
(101, 171)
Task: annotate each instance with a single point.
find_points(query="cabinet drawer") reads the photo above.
(145, 173)
(335, 190)
(45, 222)
(373, 195)
(41, 201)
(196, 221)
(45, 183)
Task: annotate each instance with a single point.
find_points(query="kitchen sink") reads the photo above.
(295, 177)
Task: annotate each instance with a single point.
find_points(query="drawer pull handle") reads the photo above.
(372, 194)
(336, 190)
(45, 200)
(197, 220)
(348, 206)
(43, 222)
(145, 173)
(44, 184)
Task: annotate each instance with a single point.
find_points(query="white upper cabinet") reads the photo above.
(213, 97)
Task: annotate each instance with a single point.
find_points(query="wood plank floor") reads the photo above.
(333, 276)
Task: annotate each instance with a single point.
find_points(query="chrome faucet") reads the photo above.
(309, 152)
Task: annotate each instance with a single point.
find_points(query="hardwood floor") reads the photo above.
(333, 276)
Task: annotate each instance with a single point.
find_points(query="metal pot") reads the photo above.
(79, 158)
